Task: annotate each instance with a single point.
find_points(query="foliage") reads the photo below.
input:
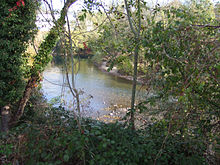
(185, 59)
(57, 140)
(180, 60)
(112, 40)
(180, 48)
(17, 28)
(33, 108)
(43, 57)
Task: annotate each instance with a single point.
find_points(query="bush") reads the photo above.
(59, 141)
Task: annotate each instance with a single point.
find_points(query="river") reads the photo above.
(100, 90)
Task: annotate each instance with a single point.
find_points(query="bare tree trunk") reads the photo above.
(5, 116)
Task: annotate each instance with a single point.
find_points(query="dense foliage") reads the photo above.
(51, 136)
(179, 63)
(184, 56)
(17, 28)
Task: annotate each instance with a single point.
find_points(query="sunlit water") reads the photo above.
(100, 90)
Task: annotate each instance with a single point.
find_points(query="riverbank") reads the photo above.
(114, 71)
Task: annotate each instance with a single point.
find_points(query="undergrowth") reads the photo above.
(56, 140)
(50, 136)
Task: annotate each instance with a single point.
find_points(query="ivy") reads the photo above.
(17, 28)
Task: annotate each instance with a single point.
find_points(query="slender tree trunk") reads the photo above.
(136, 33)
(5, 116)
(73, 75)
(132, 119)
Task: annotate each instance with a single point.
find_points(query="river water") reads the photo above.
(99, 90)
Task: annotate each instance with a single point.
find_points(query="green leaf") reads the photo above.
(66, 158)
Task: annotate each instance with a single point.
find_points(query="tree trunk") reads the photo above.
(23, 101)
(31, 82)
(5, 115)
(136, 33)
(132, 118)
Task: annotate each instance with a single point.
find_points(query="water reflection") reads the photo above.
(100, 89)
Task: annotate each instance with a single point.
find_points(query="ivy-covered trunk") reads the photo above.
(41, 60)
(17, 27)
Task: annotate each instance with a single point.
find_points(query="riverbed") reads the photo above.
(100, 91)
